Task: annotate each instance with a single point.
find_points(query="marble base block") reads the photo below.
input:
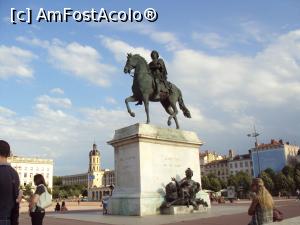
(176, 210)
(146, 157)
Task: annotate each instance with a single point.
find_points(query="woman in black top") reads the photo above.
(37, 213)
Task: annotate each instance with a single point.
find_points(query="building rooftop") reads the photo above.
(273, 144)
(94, 151)
(239, 157)
(217, 162)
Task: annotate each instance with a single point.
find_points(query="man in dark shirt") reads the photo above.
(9, 188)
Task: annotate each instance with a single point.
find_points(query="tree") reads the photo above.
(282, 183)
(288, 171)
(269, 184)
(271, 173)
(205, 182)
(297, 175)
(243, 181)
(211, 175)
(215, 184)
(84, 193)
(223, 183)
(57, 181)
(232, 181)
(292, 185)
(28, 190)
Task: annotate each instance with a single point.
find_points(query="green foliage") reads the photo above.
(269, 184)
(205, 182)
(84, 193)
(297, 175)
(281, 182)
(68, 191)
(215, 184)
(288, 171)
(211, 182)
(28, 190)
(232, 181)
(286, 181)
(223, 184)
(271, 173)
(292, 185)
(57, 181)
(243, 180)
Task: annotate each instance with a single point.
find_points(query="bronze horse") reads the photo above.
(143, 90)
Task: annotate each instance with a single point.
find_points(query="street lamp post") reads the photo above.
(255, 135)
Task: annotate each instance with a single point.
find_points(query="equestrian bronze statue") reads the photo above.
(150, 84)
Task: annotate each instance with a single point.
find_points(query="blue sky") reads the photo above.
(62, 84)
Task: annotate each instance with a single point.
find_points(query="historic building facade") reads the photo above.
(240, 163)
(28, 167)
(217, 167)
(81, 179)
(100, 182)
(207, 157)
(274, 155)
(227, 165)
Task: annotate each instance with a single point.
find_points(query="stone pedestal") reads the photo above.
(146, 157)
(176, 210)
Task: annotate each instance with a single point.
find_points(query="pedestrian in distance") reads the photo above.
(57, 207)
(298, 194)
(63, 207)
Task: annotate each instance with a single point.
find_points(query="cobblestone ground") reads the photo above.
(290, 209)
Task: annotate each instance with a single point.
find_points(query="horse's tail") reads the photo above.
(182, 106)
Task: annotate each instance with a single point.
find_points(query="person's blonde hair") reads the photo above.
(263, 195)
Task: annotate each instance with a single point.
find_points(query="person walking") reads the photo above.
(298, 194)
(37, 213)
(261, 208)
(9, 188)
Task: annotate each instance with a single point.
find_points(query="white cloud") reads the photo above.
(53, 131)
(120, 49)
(269, 78)
(33, 41)
(254, 30)
(15, 61)
(57, 91)
(168, 39)
(111, 100)
(212, 40)
(79, 60)
(60, 102)
(5, 112)
(82, 61)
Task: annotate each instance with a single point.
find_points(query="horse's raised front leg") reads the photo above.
(146, 103)
(174, 115)
(127, 100)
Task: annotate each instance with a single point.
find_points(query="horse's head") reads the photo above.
(130, 63)
(135, 62)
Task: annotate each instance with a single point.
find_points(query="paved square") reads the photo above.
(227, 214)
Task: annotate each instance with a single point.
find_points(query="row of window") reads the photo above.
(18, 168)
(223, 174)
(221, 165)
(242, 164)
